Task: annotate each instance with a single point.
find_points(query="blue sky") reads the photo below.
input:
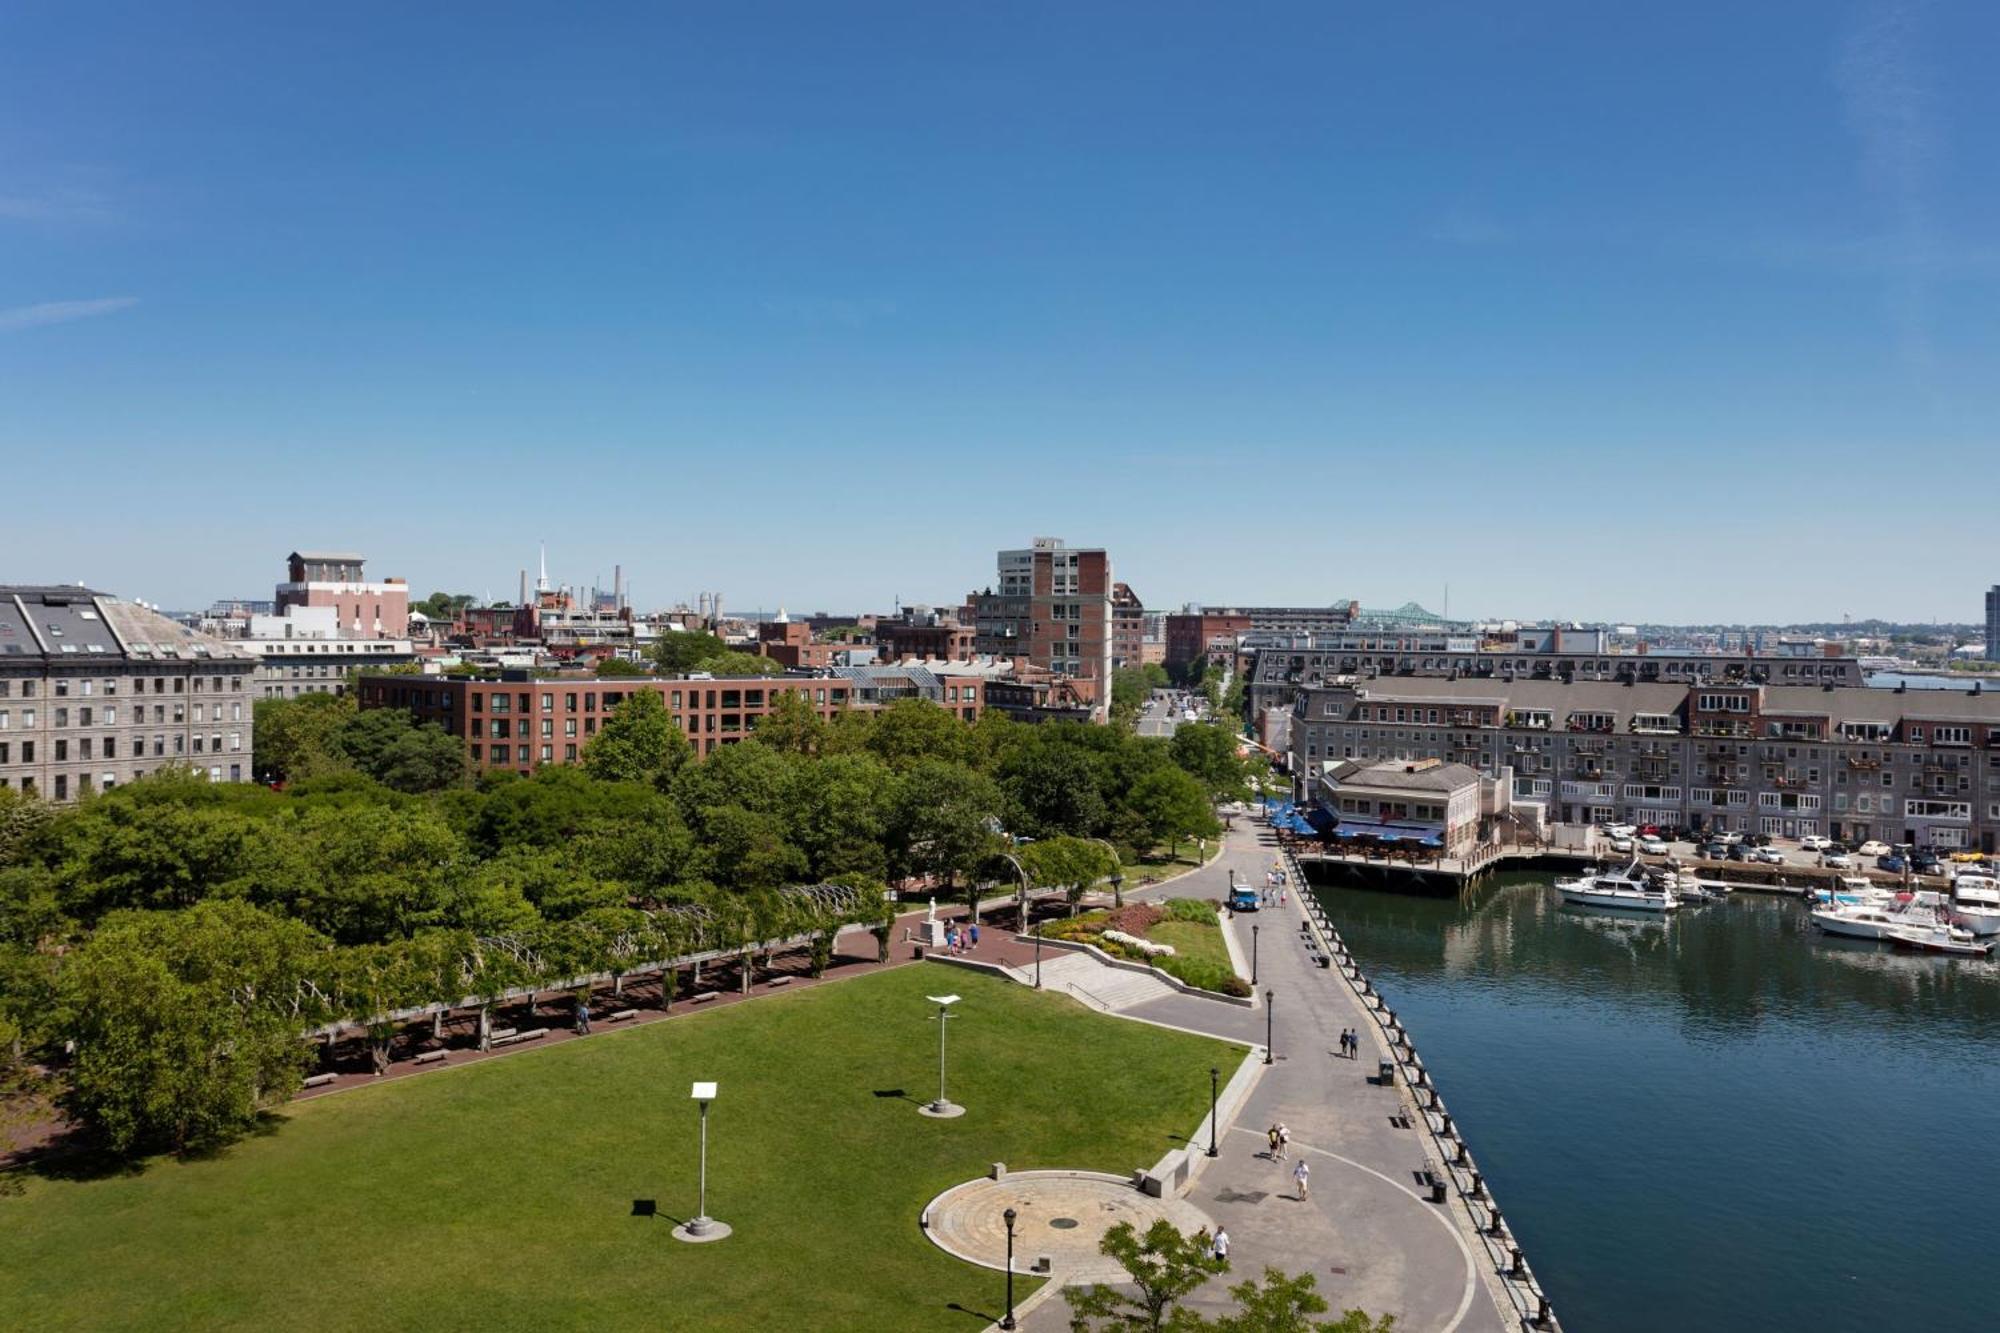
(1627, 311)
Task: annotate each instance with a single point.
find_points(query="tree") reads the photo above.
(639, 742)
(1052, 789)
(742, 664)
(836, 811)
(1173, 806)
(681, 651)
(1069, 864)
(1165, 1266)
(186, 1023)
(941, 821)
(1282, 1304)
(1130, 688)
(295, 736)
(618, 667)
(747, 850)
(911, 731)
(390, 746)
(1208, 753)
(792, 726)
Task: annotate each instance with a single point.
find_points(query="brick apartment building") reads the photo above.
(1052, 609)
(95, 692)
(1192, 635)
(1723, 752)
(792, 644)
(924, 635)
(365, 609)
(1128, 627)
(522, 724)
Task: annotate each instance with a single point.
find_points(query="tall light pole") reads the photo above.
(1038, 955)
(702, 1227)
(1008, 1320)
(942, 1108)
(1253, 953)
(1214, 1082)
(1269, 995)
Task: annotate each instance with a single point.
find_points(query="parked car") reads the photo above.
(1770, 856)
(1713, 851)
(1741, 852)
(1813, 842)
(1874, 848)
(1926, 863)
(1621, 830)
(1758, 839)
(1837, 861)
(1893, 863)
(1652, 847)
(1621, 843)
(1729, 839)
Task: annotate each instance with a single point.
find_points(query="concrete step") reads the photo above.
(1109, 987)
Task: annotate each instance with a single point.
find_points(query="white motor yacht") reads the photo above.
(1859, 921)
(1937, 937)
(1630, 890)
(1975, 900)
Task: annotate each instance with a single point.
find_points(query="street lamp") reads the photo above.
(1009, 1216)
(1269, 995)
(702, 1227)
(1038, 955)
(1214, 1082)
(942, 1108)
(1253, 953)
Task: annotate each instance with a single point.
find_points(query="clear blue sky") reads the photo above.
(1664, 311)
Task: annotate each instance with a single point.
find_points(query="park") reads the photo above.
(540, 1189)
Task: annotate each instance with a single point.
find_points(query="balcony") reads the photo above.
(1864, 765)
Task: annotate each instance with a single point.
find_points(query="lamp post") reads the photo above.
(1038, 955)
(1008, 1320)
(942, 1108)
(702, 1227)
(1214, 1083)
(1269, 995)
(1253, 953)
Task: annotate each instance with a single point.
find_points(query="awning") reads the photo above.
(1426, 835)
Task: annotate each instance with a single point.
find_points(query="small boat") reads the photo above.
(1859, 921)
(1975, 899)
(1628, 890)
(1940, 938)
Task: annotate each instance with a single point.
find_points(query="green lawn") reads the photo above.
(501, 1195)
(1193, 941)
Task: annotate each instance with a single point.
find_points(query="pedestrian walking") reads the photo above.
(583, 1018)
(1220, 1246)
(1284, 1139)
(975, 934)
(1302, 1174)
(1272, 1135)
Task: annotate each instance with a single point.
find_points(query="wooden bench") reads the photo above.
(705, 997)
(779, 981)
(319, 1080)
(622, 1015)
(431, 1057)
(498, 1035)
(513, 1038)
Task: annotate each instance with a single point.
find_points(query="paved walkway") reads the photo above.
(1364, 1230)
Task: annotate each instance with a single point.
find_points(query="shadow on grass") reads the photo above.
(896, 1094)
(980, 1315)
(650, 1208)
(79, 1156)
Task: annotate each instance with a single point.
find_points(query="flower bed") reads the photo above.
(1183, 938)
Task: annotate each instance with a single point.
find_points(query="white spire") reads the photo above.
(542, 583)
(783, 619)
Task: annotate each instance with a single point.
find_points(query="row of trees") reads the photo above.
(173, 918)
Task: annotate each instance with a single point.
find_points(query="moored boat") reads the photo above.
(1628, 890)
(1940, 938)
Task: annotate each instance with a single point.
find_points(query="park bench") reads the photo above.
(319, 1080)
(622, 1015)
(779, 981)
(431, 1057)
(706, 996)
(509, 1037)
(498, 1035)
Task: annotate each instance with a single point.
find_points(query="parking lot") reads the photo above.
(1776, 853)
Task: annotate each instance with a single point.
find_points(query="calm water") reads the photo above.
(1720, 1122)
(1889, 680)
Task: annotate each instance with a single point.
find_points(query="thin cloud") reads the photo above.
(61, 312)
(1890, 107)
(55, 206)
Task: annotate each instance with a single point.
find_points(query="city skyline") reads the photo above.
(1587, 315)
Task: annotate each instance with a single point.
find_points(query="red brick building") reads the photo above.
(520, 725)
(1052, 609)
(1128, 627)
(1196, 634)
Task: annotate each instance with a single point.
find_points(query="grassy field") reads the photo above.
(502, 1195)
(1193, 941)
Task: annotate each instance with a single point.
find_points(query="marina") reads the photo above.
(1764, 1050)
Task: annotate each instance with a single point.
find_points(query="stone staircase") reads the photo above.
(1099, 986)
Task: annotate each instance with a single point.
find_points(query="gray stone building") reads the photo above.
(95, 692)
(1737, 754)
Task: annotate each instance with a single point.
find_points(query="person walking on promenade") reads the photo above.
(1272, 1134)
(1219, 1247)
(1302, 1174)
(1284, 1139)
(975, 935)
(583, 1017)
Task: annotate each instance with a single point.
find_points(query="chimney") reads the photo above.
(618, 587)
(524, 589)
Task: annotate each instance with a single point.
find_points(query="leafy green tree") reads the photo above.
(390, 746)
(682, 651)
(1052, 789)
(748, 850)
(186, 1023)
(1283, 1304)
(836, 811)
(1208, 753)
(1069, 864)
(639, 742)
(23, 818)
(1129, 691)
(792, 726)
(359, 873)
(754, 777)
(911, 731)
(1166, 1268)
(128, 850)
(295, 736)
(742, 664)
(942, 822)
(1173, 806)
(618, 667)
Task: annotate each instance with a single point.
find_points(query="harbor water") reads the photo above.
(1721, 1121)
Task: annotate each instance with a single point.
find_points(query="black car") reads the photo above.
(1759, 840)
(1739, 851)
(1926, 863)
(1714, 851)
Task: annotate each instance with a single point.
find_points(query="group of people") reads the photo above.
(1280, 1136)
(1350, 1044)
(961, 939)
(1274, 887)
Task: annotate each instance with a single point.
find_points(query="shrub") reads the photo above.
(1192, 909)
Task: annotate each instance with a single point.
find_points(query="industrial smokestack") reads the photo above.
(618, 587)
(524, 589)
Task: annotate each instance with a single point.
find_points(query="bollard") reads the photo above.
(1464, 1157)
(1433, 1104)
(1478, 1186)
(1437, 1189)
(1493, 1228)
(1446, 1118)
(1520, 1266)
(1542, 1315)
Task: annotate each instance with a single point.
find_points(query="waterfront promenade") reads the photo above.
(1367, 1232)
